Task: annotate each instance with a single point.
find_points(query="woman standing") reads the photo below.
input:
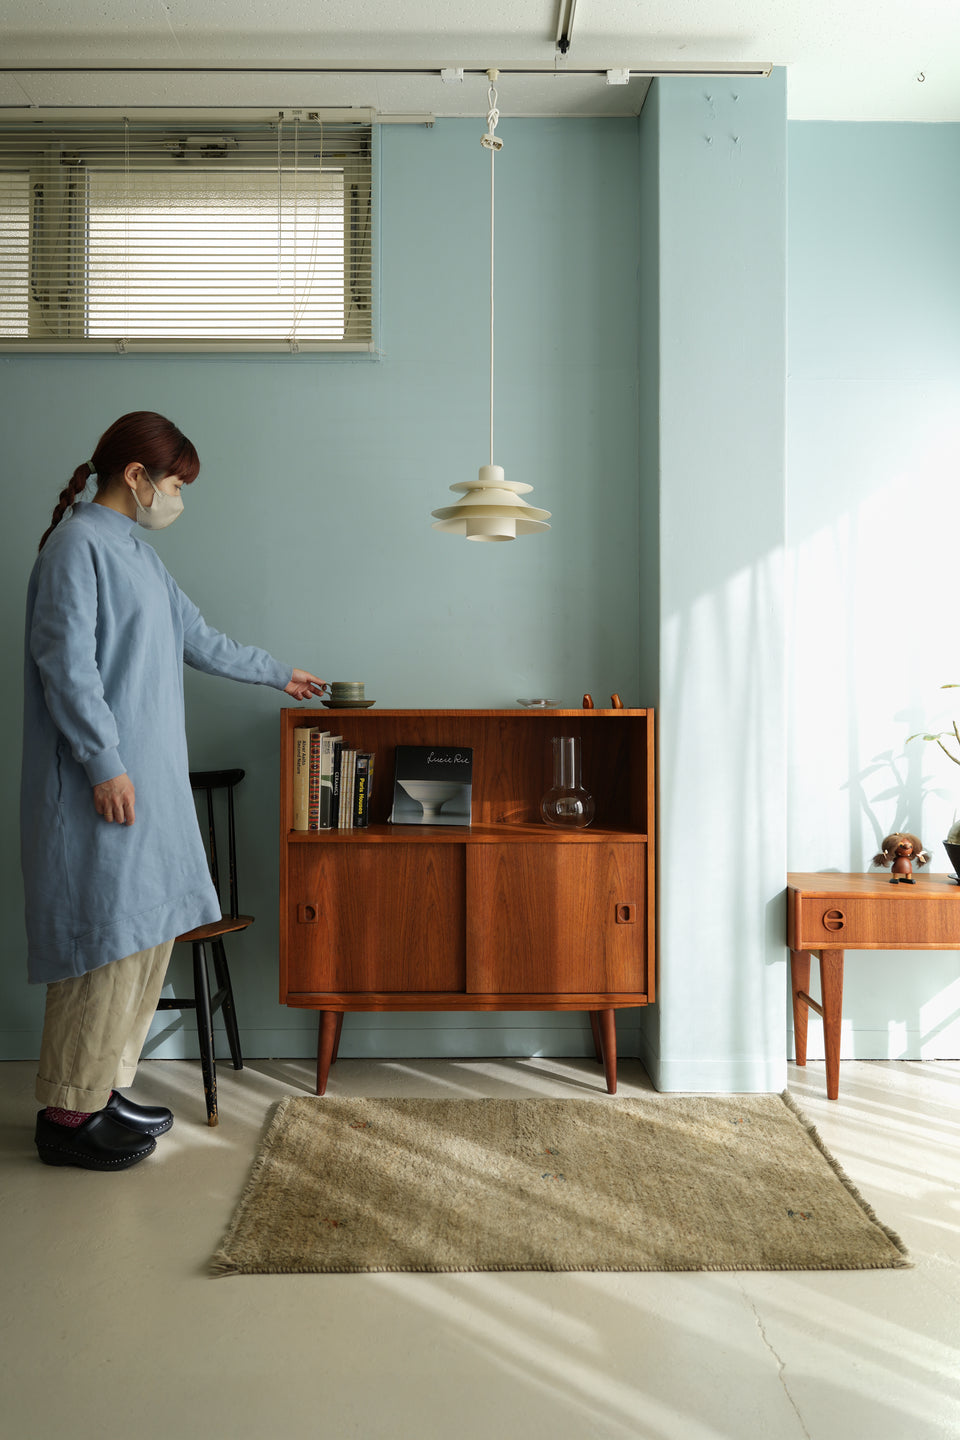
(114, 866)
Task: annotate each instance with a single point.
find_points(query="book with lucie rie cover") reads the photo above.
(432, 785)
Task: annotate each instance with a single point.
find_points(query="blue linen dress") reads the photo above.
(107, 632)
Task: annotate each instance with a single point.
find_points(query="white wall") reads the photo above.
(873, 525)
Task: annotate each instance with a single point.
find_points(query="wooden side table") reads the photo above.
(830, 914)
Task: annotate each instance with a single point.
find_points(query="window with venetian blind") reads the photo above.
(187, 234)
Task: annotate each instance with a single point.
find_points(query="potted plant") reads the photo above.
(952, 842)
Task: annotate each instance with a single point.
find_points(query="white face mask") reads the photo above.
(161, 513)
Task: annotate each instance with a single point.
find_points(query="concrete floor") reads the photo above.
(110, 1326)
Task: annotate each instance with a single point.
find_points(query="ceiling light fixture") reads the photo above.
(568, 8)
(491, 507)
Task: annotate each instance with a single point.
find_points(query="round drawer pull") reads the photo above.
(834, 920)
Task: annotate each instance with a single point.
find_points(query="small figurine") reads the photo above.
(905, 851)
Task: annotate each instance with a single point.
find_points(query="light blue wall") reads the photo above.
(721, 153)
(873, 520)
(309, 533)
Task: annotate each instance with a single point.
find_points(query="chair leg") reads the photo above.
(222, 972)
(201, 986)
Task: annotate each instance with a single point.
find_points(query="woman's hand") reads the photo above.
(114, 799)
(304, 685)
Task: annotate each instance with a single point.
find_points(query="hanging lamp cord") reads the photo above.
(492, 142)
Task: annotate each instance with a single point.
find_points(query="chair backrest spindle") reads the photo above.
(209, 781)
(232, 855)
(212, 844)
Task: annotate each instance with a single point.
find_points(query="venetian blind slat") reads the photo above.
(140, 231)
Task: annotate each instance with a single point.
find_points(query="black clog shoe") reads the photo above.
(145, 1119)
(100, 1143)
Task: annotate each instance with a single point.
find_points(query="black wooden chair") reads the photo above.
(203, 1001)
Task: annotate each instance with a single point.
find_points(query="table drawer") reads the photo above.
(901, 919)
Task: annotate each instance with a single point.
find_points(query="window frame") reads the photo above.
(351, 134)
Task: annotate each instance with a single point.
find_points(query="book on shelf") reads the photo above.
(331, 743)
(363, 776)
(432, 785)
(336, 777)
(347, 784)
(301, 776)
(313, 788)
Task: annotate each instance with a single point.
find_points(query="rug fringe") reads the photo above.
(905, 1263)
(221, 1265)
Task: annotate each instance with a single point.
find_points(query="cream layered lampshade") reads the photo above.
(491, 508)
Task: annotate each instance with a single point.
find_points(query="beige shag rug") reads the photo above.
(655, 1183)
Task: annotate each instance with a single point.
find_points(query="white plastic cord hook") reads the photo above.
(491, 140)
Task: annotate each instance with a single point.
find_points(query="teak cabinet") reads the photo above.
(506, 914)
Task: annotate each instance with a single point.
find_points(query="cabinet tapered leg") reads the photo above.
(831, 994)
(326, 1044)
(800, 985)
(608, 1040)
(336, 1038)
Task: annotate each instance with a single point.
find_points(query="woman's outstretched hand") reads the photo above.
(304, 686)
(114, 799)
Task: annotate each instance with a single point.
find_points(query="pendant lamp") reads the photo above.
(491, 507)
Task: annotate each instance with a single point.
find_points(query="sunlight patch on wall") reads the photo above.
(940, 1023)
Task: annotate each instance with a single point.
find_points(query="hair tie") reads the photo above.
(91, 468)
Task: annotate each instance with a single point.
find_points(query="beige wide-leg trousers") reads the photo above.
(94, 1028)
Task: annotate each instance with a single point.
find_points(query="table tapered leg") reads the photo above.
(800, 985)
(326, 1043)
(831, 995)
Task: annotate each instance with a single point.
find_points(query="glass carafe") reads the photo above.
(567, 803)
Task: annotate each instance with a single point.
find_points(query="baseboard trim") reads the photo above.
(362, 1040)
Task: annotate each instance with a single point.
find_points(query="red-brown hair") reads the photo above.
(142, 435)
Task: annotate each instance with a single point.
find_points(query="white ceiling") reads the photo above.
(846, 59)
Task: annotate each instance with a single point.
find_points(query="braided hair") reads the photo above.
(142, 435)
(72, 491)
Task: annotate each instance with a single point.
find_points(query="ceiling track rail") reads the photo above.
(645, 72)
